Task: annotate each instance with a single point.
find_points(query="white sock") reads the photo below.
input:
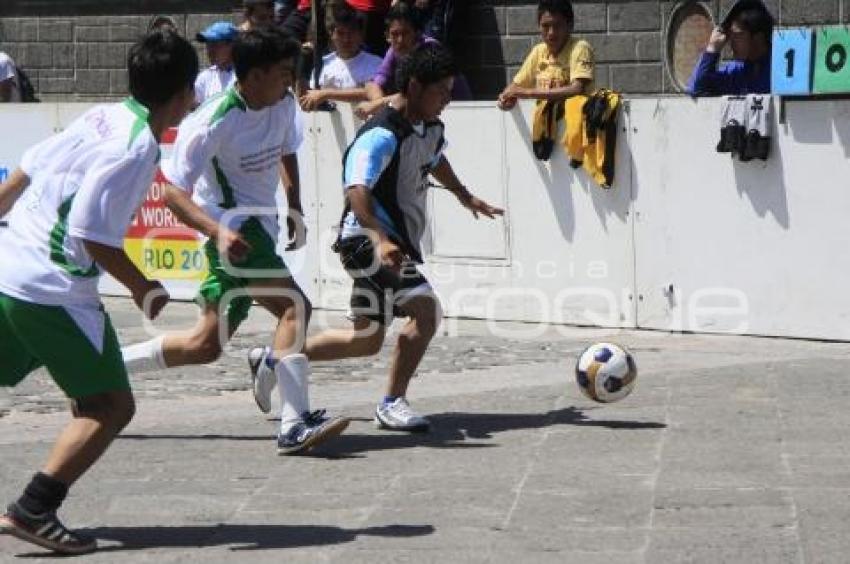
(293, 373)
(144, 357)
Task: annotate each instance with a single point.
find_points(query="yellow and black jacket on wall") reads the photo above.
(591, 136)
(590, 139)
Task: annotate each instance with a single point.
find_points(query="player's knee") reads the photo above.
(206, 348)
(428, 317)
(112, 409)
(125, 411)
(293, 309)
(369, 345)
(367, 337)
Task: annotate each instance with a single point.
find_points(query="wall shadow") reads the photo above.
(555, 174)
(763, 182)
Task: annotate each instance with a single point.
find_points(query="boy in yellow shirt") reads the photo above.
(559, 67)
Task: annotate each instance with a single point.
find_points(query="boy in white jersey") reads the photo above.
(386, 171)
(346, 70)
(68, 207)
(228, 153)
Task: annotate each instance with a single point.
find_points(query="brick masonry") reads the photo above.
(75, 49)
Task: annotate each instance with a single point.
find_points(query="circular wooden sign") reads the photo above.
(688, 30)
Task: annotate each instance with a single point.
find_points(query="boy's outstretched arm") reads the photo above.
(444, 173)
(311, 100)
(574, 88)
(11, 190)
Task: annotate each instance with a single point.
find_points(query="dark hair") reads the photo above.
(429, 63)
(341, 14)
(162, 21)
(404, 12)
(262, 48)
(755, 21)
(161, 65)
(563, 7)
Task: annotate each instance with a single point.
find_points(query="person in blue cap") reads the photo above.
(218, 39)
(748, 28)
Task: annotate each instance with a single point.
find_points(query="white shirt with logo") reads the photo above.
(229, 155)
(85, 184)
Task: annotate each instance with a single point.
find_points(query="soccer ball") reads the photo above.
(606, 372)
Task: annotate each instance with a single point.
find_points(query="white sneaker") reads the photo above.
(399, 416)
(313, 429)
(263, 378)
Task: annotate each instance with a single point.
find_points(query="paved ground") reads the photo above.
(730, 450)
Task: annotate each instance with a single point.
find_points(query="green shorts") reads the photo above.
(34, 335)
(229, 282)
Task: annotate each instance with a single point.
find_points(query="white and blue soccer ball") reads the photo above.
(606, 372)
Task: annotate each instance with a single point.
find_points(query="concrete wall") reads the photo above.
(687, 239)
(75, 49)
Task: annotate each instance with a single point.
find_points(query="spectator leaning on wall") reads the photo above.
(404, 32)
(748, 28)
(10, 90)
(559, 67)
(346, 70)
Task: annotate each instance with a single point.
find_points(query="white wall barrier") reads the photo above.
(757, 247)
(687, 239)
(563, 253)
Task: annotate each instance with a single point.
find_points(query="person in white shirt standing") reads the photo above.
(10, 90)
(68, 207)
(218, 39)
(227, 154)
(346, 70)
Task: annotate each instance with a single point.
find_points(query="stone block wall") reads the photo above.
(628, 37)
(75, 49)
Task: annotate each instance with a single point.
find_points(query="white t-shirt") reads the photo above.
(85, 184)
(229, 154)
(213, 81)
(338, 73)
(9, 71)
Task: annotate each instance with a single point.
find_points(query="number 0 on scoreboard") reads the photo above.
(832, 60)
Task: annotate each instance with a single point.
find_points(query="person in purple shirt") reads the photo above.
(749, 29)
(404, 33)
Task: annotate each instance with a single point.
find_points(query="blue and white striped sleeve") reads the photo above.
(438, 154)
(369, 157)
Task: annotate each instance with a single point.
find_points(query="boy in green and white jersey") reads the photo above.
(68, 207)
(227, 153)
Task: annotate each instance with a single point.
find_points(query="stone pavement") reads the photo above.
(731, 449)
